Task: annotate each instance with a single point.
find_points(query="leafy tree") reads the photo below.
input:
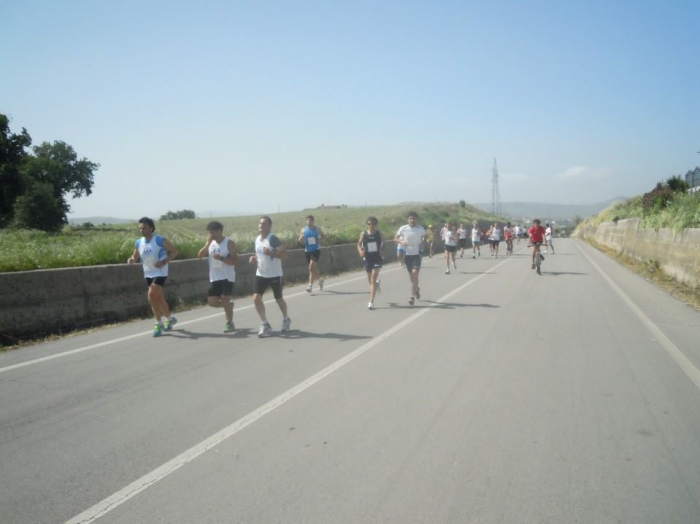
(677, 184)
(178, 215)
(462, 203)
(12, 155)
(38, 208)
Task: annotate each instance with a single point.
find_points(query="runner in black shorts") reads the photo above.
(410, 237)
(369, 246)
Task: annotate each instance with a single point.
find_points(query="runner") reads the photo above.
(223, 256)
(518, 233)
(410, 237)
(536, 235)
(269, 251)
(508, 234)
(489, 239)
(495, 239)
(450, 239)
(311, 235)
(369, 246)
(462, 232)
(430, 238)
(476, 241)
(548, 238)
(155, 252)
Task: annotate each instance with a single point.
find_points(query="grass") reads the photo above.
(22, 250)
(683, 212)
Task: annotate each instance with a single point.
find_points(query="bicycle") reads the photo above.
(509, 246)
(538, 257)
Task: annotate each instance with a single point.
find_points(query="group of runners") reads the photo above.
(155, 253)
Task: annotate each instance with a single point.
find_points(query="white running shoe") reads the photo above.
(370, 305)
(320, 284)
(447, 272)
(265, 330)
(309, 288)
(412, 301)
(286, 323)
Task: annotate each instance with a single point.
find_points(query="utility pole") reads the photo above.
(495, 192)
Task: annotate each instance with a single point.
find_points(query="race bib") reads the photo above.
(371, 247)
(311, 241)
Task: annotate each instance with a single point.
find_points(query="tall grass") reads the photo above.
(29, 250)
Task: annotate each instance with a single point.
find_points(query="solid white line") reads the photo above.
(144, 333)
(676, 354)
(105, 506)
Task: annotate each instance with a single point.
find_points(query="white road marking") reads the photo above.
(105, 506)
(145, 333)
(676, 354)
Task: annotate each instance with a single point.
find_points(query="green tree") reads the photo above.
(38, 208)
(57, 167)
(178, 215)
(12, 154)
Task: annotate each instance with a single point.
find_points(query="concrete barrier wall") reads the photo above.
(42, 302)
(678, 254)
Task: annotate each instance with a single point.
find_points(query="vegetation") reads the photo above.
(33, 187)
(178, 215)
(85, 246)
(668, 205)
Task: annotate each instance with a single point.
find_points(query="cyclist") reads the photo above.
(536, 235)
(508, 234)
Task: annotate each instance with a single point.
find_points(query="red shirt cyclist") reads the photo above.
(536, 234)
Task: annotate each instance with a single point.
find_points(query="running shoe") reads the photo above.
(320, 284)
(479, 254)
(309, 288)
(229, 327)
(541, 258)
(370, 305)
(286, 322)
(418, 293)
(447, 272)
(412, 301)
(533, 266)
(169, 323)
(474, 257)
(265, 330)
(378, 286)
(158, 330)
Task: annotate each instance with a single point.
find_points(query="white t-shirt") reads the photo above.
(218, 270)
(495, 234)
(150, 252)
(268, 266)
(462, 233)
(449, 238)
(517, 230)
(413, 236)
(475, 235)
(548, 233)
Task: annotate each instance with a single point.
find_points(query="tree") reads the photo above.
(12, 155)
(38, 208)
(178, 215)
(56, 167)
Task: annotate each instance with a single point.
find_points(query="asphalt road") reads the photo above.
(500, 397)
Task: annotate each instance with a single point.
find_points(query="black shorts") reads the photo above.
(262, 283)
(220, 288)
(412, 262)
(462, 243)
(371, 263)
(495, 243)
(451, 249)
(160, 281)
(312, 255)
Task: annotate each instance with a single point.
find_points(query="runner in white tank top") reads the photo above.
(223, 256)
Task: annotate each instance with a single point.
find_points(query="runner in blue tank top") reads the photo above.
(311, 236)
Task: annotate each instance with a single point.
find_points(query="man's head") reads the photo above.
(146, 226)
(537, 222)
(310, 220)
(412, 217)
(213, 227)
(372, 222)
(264, 225)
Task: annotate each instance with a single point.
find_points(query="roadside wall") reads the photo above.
(678, 254)
(42, 302)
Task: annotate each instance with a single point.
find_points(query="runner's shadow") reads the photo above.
(332, 292)
(295, 334)
(404, 306)
(192, 335)
(453, 305)
(557, 273)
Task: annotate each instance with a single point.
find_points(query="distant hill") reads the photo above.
(530, 210)
(97, 221)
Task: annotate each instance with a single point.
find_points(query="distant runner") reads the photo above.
(450, 240)
(463, 233)
(410, 236)
(476, 241)
(369, 246)
(312, 235)
(548, 234)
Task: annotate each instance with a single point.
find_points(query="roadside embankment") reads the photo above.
(44, 302)
(677, 254)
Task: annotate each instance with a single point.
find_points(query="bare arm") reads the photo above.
(134, 257)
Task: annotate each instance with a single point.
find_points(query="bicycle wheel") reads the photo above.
(538, 262)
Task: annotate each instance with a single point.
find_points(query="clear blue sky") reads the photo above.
(249, 107)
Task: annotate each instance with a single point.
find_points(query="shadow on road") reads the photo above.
(297, 334)
(184, 333)
(454, 305)
(332, 292)
(557, 273)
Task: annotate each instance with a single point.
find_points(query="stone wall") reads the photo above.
(678, 254)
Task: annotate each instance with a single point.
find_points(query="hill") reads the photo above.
(530, 210)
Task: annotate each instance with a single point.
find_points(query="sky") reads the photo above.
(228, 107)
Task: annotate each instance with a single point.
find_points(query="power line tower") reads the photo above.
(495, 192)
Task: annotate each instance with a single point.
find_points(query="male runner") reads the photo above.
(369, 246)
(311, 235)
(269, 251)
(222, 254)
(476, 240)
(549, 230)
(450, 241)
(155, 252)
(410, 236)
(462, 232)
(495, 239)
